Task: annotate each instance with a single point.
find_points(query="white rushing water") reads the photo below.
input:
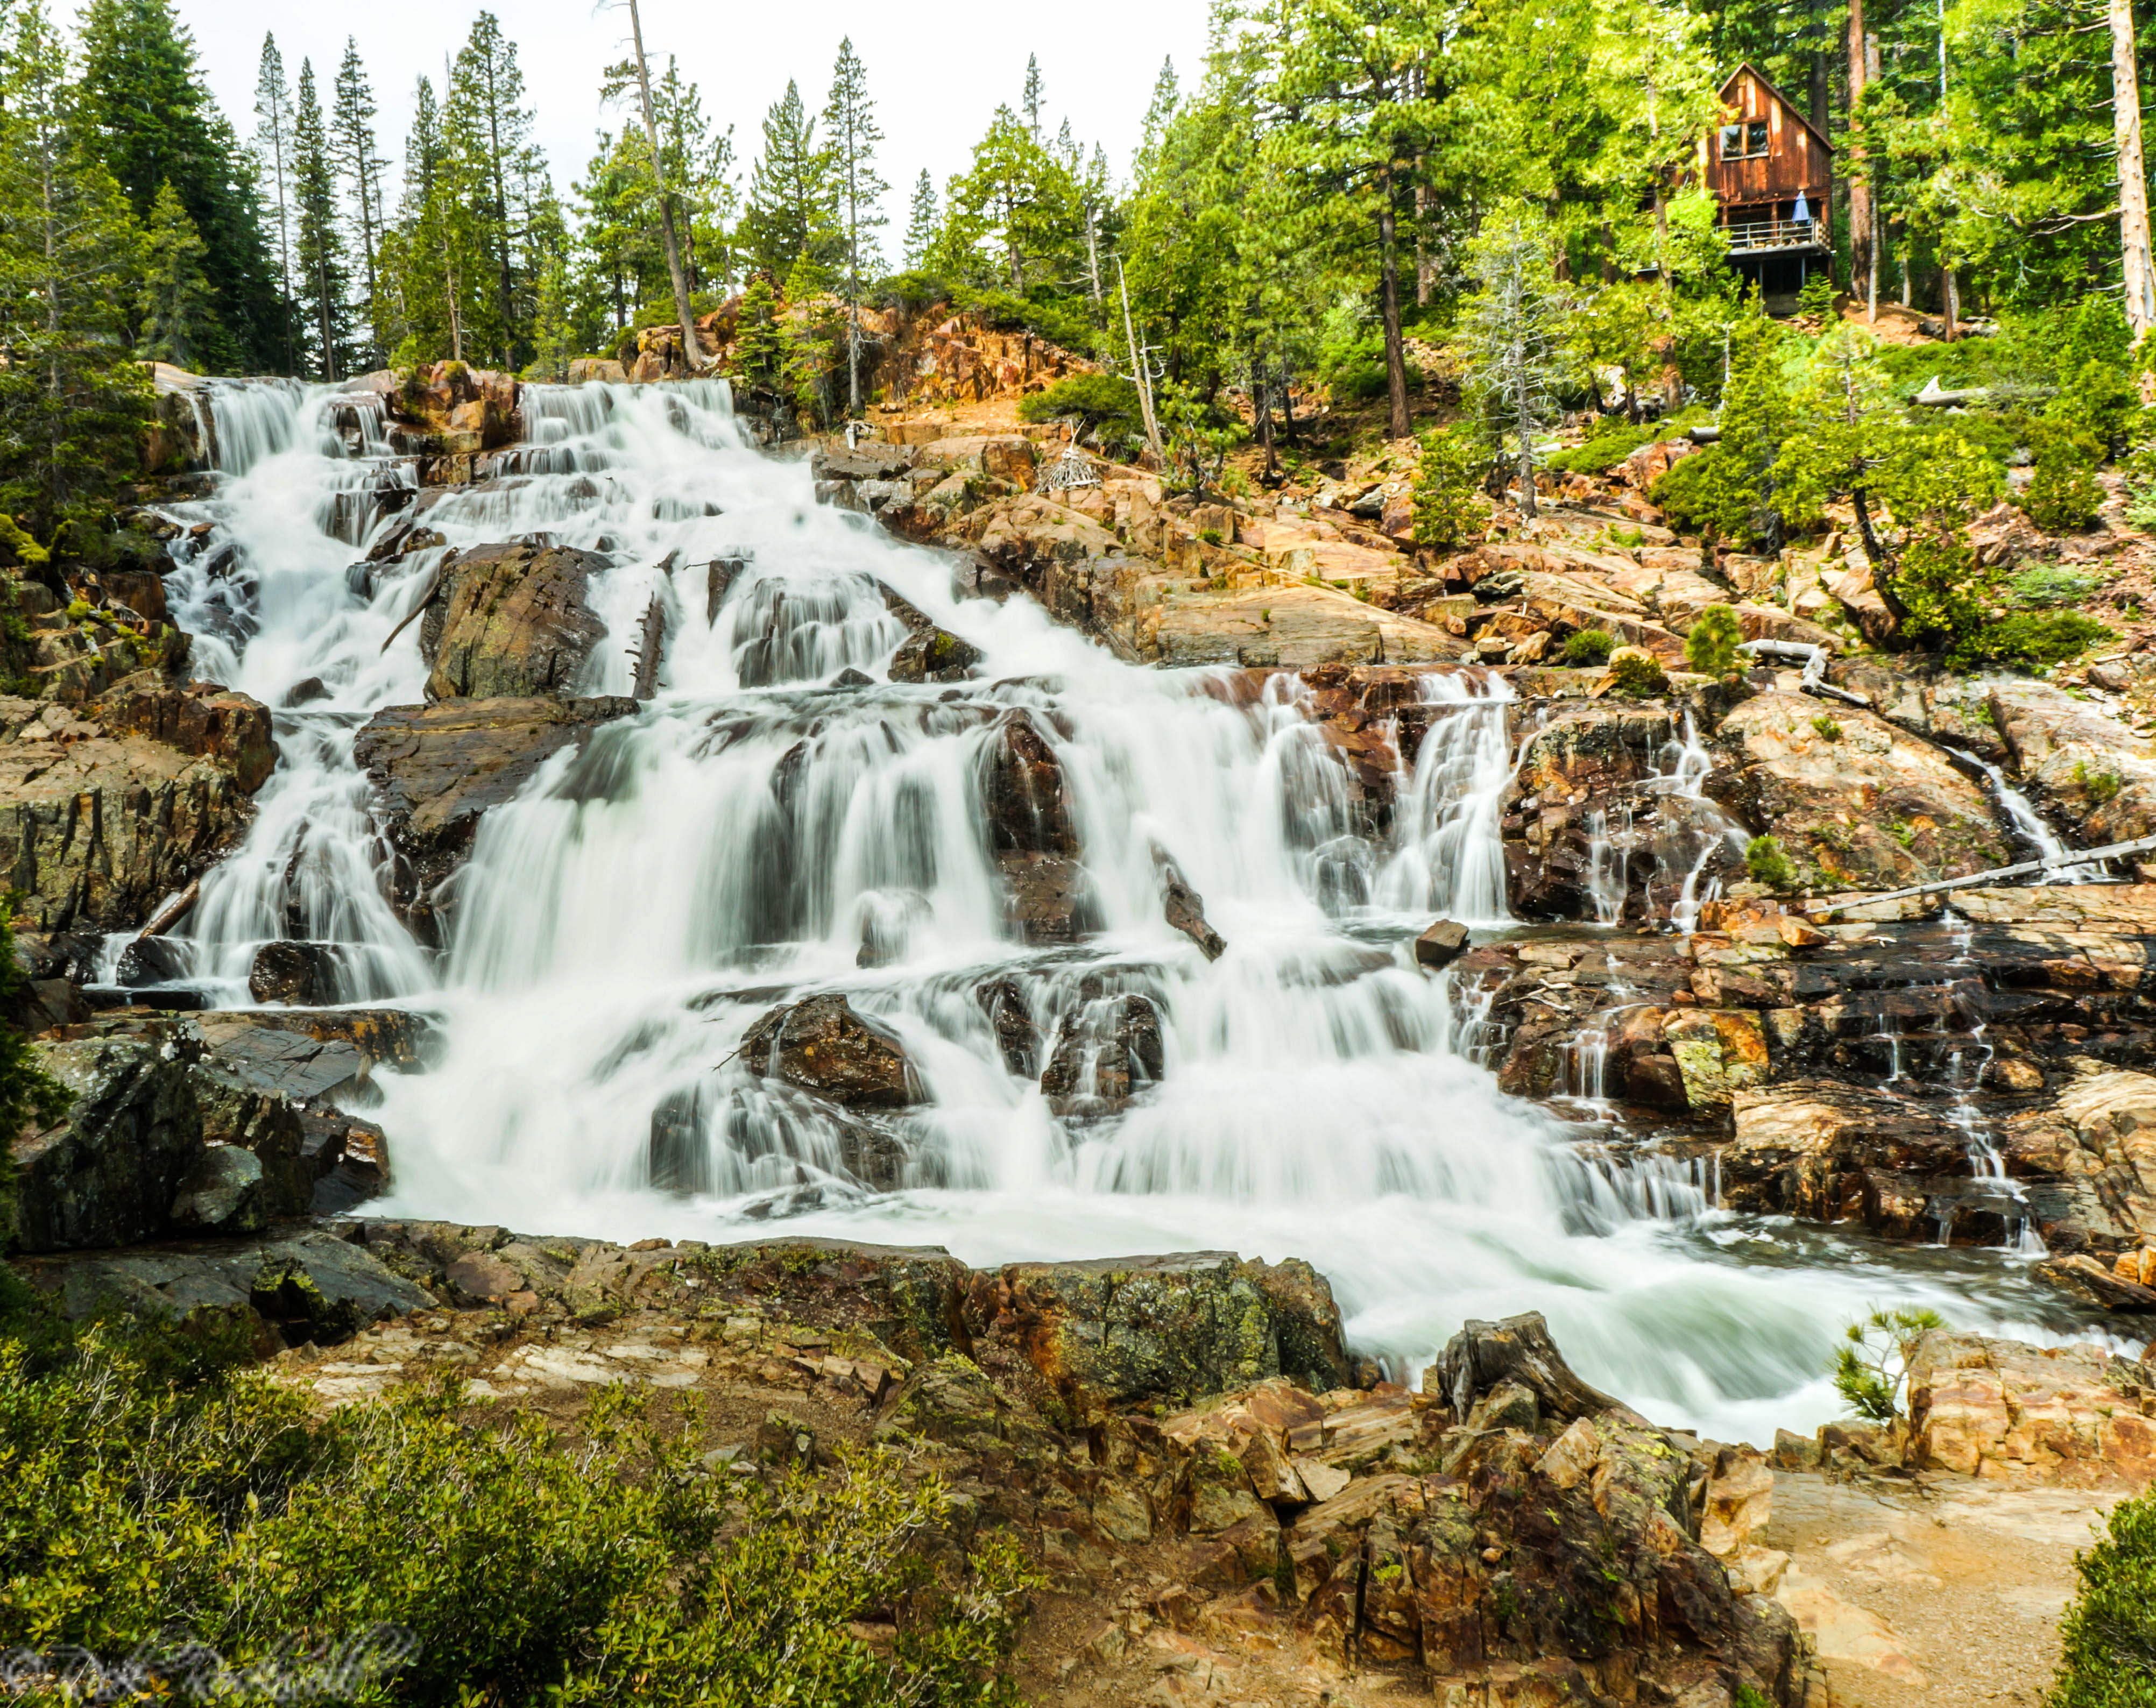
(735, 845)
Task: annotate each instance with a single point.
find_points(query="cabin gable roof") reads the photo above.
(1745, 68)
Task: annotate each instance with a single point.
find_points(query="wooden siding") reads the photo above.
(1795, 160)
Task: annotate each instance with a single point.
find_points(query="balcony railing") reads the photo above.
(1752, 236)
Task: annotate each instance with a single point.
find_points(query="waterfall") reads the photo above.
(769, 827)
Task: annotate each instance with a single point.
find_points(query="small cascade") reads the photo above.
(1962, 1074)
(2027, 825)
(1449, 854)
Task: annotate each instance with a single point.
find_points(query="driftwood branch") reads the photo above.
(173, 911)
(649, 649)
(427, 599)
(2024, 869)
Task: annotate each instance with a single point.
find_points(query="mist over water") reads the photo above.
(737, 842)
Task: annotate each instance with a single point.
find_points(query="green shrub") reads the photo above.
(2100, 787)
(2107, 1640)
(1869, 1368)
(1766, 864)
(1356, 370)
(2062, 494)
(2049, 584)
(1828, 729)
(1448, 507)
(1816, 301)
(1635, 675)
(1681, 492)
(1106, 403)
(1589, 649)
(1711, 647)
(914, 290)
(2033, 640)
(145, 1508)
(1608, 444)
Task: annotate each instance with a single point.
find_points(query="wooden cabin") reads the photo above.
(1772, 177)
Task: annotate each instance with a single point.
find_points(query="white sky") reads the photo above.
(935, 77)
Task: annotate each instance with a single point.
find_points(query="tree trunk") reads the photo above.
(1093, 254)
(1138, 374)
(2140, 275)
(1261, 413)
(1396, 362)
(692, 351)
(1863, 262)
(1953, 295)
(1287, 405)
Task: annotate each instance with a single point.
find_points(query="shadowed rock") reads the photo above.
(510, 620)
(822, 1046)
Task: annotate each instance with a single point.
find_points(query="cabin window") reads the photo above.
(1744, 142)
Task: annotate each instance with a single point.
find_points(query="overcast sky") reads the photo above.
(935, 76)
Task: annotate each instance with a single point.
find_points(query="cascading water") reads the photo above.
(762, 831)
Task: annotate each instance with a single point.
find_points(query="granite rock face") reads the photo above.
(1993, 1408)
(103, 816)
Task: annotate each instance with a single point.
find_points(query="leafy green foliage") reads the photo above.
(1767, 863)
(2062, 494)
(1106, 406)
(1611, 442)
(1710, 646)
(2037, 640)
(1448, 504)
(1828, 729)
(1589, 649)
(27, 1092)
(2108, 1638)
(148, 1499)
(1871, 1367)
(2051, 584)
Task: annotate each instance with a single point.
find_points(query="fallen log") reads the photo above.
(2023, 868)
(649, 649)
(172, 912)
(427, 599)
(1933, 397)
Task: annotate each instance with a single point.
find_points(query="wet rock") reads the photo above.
(1184, 910)
(929, 653)
(436, 768)
(2085, 1278)
(1047, 899)
(97, 827)
(821, 1046)
(1857, 803)
(1104, 1054)
(2091, 770)
(306, 692)
(311, 1287)
(303, 974)
(149, 961)
(2075, 1415)
(1018, 1038)
(1444, 943)
(720, 575)
(509, 621)
(1025, 802)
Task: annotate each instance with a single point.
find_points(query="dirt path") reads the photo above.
(1939, 1598)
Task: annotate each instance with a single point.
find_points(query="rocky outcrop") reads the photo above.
(509, 622)
(1107, 1052)
(216, 1125)
(1857, 803)
(1025, 802)
(929, 653)
(99, 821)
(309, 1288)
(2096, 774)
(2077, 1415)
(436, 768)
(447, 414)
(823, 1047)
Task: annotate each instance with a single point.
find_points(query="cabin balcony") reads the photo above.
(1762, 237)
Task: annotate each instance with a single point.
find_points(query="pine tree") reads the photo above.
(273, 145)
(850, 136)
(1018, 204)
(759, 342)
(920, 221)
(1035, 95)
(143, 95)
(1165, 93)
(789, 194)
(72, 403)
(355, 158)
(176, 303)
(488, 131)
(319, 248)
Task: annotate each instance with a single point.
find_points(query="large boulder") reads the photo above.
(1121, 1330)
(509, 621)
(1025, 801)
(821, 1046)
(99, 821)
(217, 1124)
(2093, 771)
(436, 768)
(1854, 802)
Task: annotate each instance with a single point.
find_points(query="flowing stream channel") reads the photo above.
(736, 843)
